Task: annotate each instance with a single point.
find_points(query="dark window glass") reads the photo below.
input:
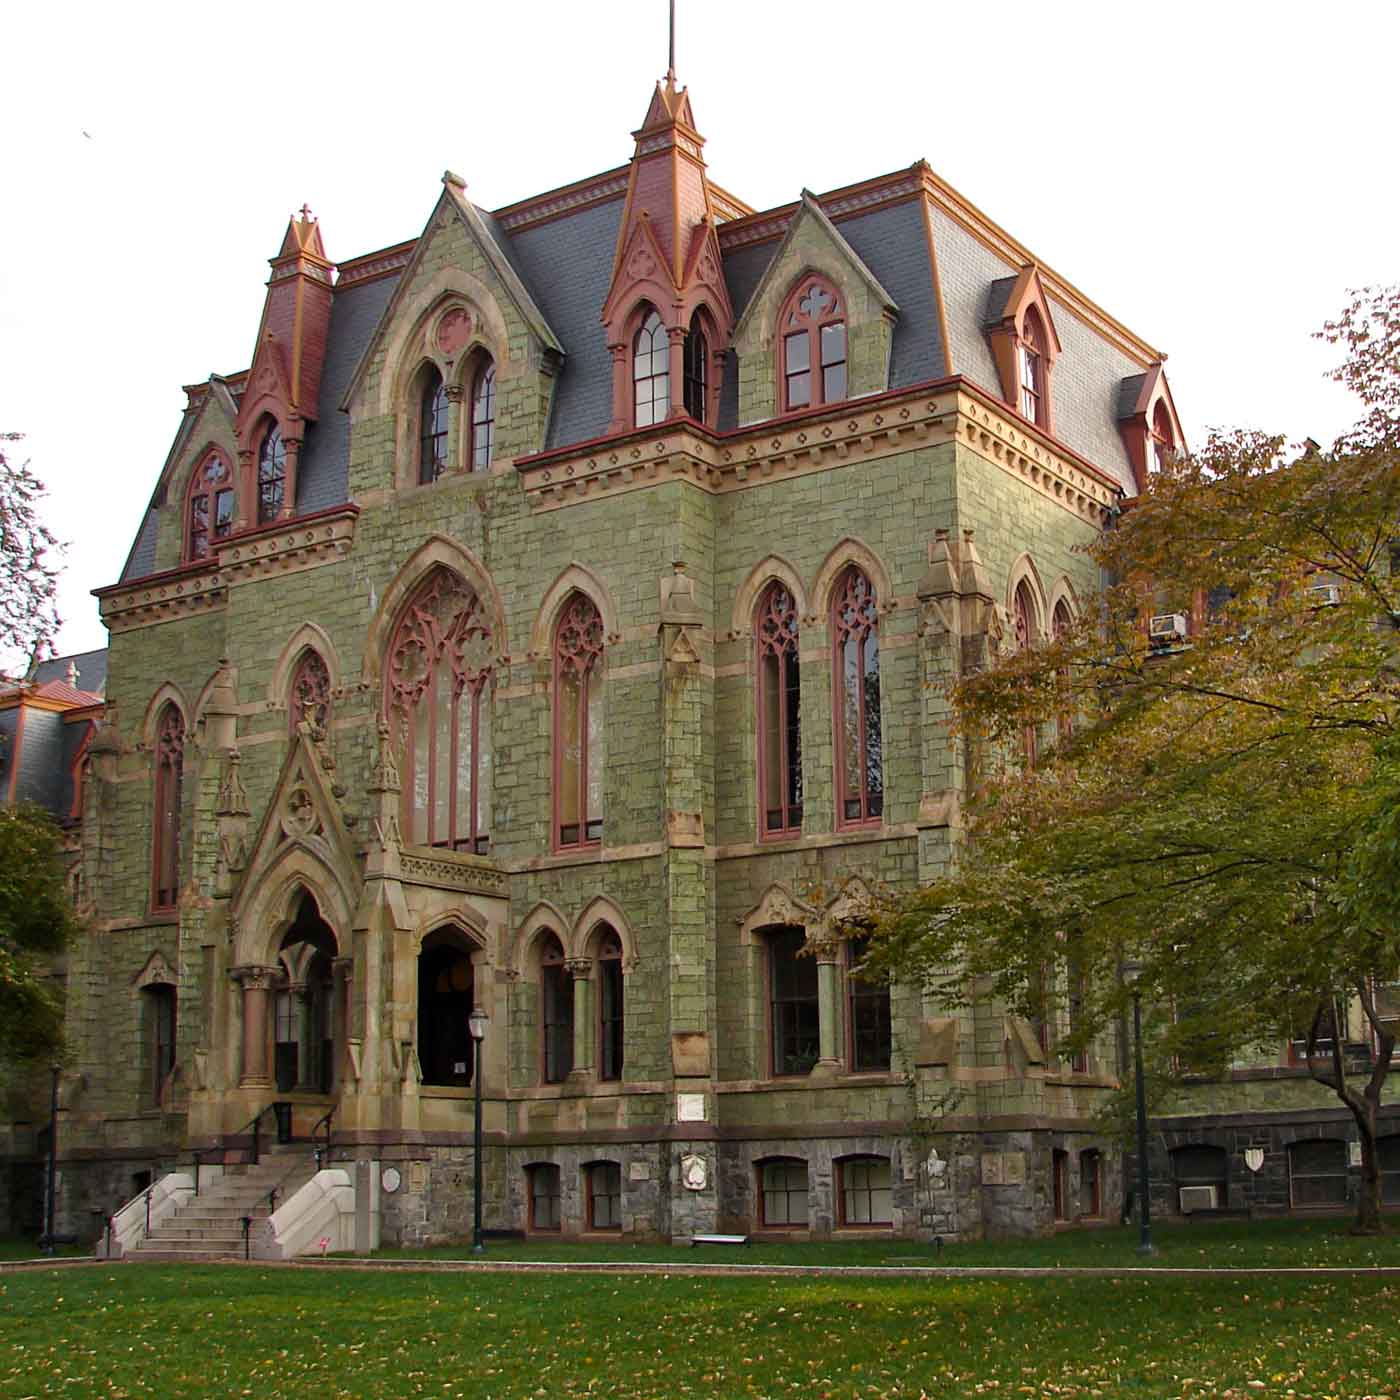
(792, 981)
(556, 1013)
(604, 1196)
(610, 1008)
(210, 483)
(866, 1194)
(834, 362)
(797, 359)
(814, 346)
(651, 373)
(780, 711)
(1317, 1173)
(697, 353)
(1032, 359)
(1388, 1157)
(578, 724)
(432, 429)
(859, 740)
(544, 1196)
(445, 1001)
(783, 1190)
(272, 476)
(871, 1038)
(286, 1042)
(161, 1001)
(170, 768)
(484, 417)
(1090, 1184)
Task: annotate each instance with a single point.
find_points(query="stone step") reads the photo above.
(186, 1247)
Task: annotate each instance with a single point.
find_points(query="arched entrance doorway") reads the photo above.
(446, 994)
(304, 1007)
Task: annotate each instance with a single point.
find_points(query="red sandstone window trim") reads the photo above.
(812, 345)
(169, 781)
(556, 1014)
(855, 637)
(543, 1175)
(1024, 618)
(778, 688)
(696, 371)
(782, 1187)
(209, 507)
(272, 475)
(852, 1184)
(607, 1201)
(578, 723)
(611, 1006)
(787, 1000)
(866, 1002)
(651, 371)
(309, 694)
(1032, 365)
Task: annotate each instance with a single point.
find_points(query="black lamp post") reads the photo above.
(51, 1181)
(476, 1024)
(1132, 973)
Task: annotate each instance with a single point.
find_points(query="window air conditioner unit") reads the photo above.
(1195, 1198)
(1166, 628)
(1324, 595)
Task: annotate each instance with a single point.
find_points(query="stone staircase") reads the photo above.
(210, 1225)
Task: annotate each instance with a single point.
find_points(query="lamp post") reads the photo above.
(1132, 974)
(476, 1024)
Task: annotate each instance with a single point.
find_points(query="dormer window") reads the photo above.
(651, 373)
(483, 416)
(210, 514)
(1163, 437)
(432, 429)
(1032, 366)
(697, 352)
(272, 475)
(814, 346)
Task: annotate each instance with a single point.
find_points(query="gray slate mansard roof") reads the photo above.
(92, 670)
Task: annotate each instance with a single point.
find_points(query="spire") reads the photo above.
(671, 50)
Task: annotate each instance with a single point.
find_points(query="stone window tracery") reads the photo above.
(483, 434)
(578, 724)
(813, 340)
(651, 373)
(272, 475)
(210, 515)
(170, 767)
(309, 695)
(859, 744)
(437, 700)
(779, 712)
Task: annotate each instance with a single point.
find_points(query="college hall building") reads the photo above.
(554, 620)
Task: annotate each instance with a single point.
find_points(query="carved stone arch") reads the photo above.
(310, 636)
(853, 901)
(778, 909)
(167, 693)
(543, 917)
(407, 345)
(598, 911)
(849, 551)
(274, 896)
(576, 578)
(435, 550)
(156, 973)
(751, 590)
(1023, 570)
(466, 921)
(1062, 594)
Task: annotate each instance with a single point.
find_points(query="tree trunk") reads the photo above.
(1368, 1201)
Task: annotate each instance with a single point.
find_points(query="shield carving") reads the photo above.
(1254, 1158)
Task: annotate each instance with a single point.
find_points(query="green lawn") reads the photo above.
(1237, 1244)
(131, 1330)
(11, 1249)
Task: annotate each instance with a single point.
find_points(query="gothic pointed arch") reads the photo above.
(309, 636)
(263, 921)
(167, 693)
(1025, 345)
(464, 920)
(1024, 575)
(778, 908)
(575, 578)
(1062, 601)
(599, 911)
(542, 918)
(1148, 421)
(842, 555)
(436, 550)
(746, 597)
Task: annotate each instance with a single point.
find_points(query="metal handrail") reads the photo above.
(325, 1120)
(254, 1123)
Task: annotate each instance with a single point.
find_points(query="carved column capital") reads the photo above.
(254, 978)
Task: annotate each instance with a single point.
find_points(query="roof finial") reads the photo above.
(305, 214)
(671, 59)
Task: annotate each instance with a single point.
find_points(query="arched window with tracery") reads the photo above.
(697, 354)
(1024, 617)
(813, 345)
(578, 724)
(309, 695)
(651, 373)
(432, 428)
(272, 475)
(556, 1013)
(170, 768)
(210, 513)
(1060, 625)
(779, 712)
(1031, 361)
(483, 415)
(1163, 437)
(610, 1017)
(438, 704)
(860, 782)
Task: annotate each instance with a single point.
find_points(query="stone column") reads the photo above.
(828, 1012)
(306, 1030)
(289, 480)
(256, 983)
(675, 338)
(245, 498)
(458, 430)
(621, 390)
(581, 970)
(343, 970)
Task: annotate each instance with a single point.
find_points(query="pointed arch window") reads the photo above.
(309, 696)
(860, 782)
(432, 429)
(610, 1015)
(272, 475)
(483, 415)
(578, 725)
(1061, 623)
(160, 999)
(794, 1015)
(437, 700)
(170, 768)
(813, 345)
(651, 373)
(1024, 617)
(556, 1013)
(1032, 368)
(779, 713)
(1163, 437)
(697, 354)
(210, 515)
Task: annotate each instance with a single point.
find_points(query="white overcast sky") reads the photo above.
(1214, 175)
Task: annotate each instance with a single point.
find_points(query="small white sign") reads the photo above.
(639, 1171)
(1354, 1153)
(1254, 1158)
(390, 1180)
(690, 1108)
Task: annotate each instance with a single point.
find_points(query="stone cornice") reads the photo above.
(451, 870)
(292, 546)
(858, 430)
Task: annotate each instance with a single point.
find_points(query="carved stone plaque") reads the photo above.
(690, 1108)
